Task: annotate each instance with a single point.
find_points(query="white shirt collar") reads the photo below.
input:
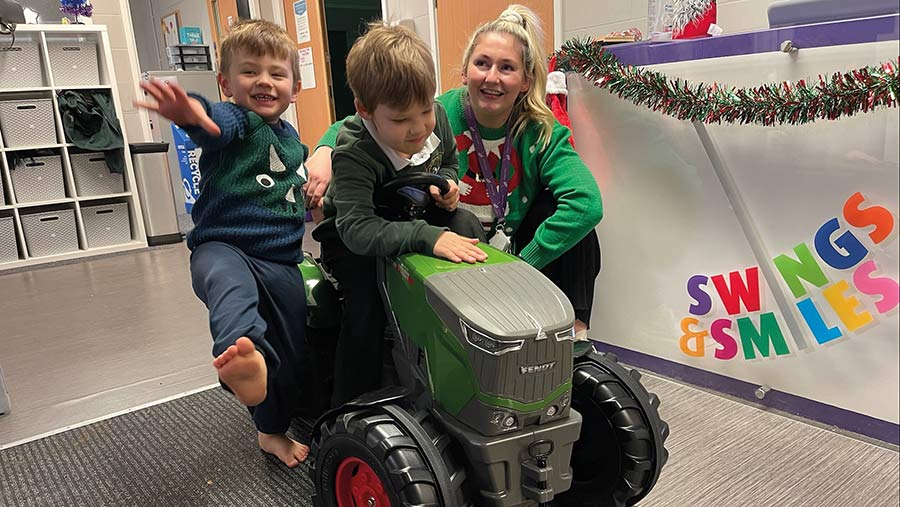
(399, 162)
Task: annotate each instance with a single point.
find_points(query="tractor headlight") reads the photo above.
(567, 334)
(487, 344)
(504, 421)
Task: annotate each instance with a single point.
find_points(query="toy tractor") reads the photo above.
(494, 407)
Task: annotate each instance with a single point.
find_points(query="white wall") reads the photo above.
(191, 12)
(116, 15)
(421, 12)
(590, 18)
(146, 34)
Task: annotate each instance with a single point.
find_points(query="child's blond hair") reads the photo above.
(259, 37)
(522, 23)
(390, 65)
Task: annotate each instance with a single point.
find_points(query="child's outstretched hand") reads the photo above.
(456, 248)
(447, 201)
(173, 103)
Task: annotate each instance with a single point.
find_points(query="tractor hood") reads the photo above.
(508, 301)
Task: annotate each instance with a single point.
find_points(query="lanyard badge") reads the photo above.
(498, 191)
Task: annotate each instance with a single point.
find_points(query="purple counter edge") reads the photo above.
(803, 407)
(835, 33)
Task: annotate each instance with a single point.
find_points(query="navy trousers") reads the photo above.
(266, 302)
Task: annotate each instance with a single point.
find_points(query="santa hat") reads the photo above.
(557, 97)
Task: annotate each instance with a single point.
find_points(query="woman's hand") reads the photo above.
(318, 167)
(448, 201)
(173, 103)
(456, 248)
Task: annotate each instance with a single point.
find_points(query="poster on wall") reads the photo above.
(301, 21)
(307, 71)
(170, 25)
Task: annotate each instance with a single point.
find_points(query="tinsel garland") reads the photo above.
(843, 94)
(685, 12)
(76, 7)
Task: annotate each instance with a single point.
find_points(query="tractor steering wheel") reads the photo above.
(412, 189)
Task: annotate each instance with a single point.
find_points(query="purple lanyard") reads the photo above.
(497, 192)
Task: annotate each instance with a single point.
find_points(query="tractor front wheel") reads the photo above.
(383, 456)
(620, 450)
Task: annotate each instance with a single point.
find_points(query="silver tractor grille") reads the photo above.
(528, 374)
(515, 324)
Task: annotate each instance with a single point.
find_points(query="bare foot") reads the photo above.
(243, 370)
(290, 452)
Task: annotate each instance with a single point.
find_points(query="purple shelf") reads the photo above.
(837, 33)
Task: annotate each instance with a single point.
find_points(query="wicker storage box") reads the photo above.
(106, 225)
(20, 64)
(73, 63)
(38, 179)
(8, 250)
(50, 233)
(27, 122)
(92, 175)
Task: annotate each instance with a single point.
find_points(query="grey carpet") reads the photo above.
(728, 454)
(201, 450)
(196, 450)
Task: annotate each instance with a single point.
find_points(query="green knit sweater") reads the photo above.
(556, 167)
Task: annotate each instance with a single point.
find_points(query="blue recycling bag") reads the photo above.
(189, 164)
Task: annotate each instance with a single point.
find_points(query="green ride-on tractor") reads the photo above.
(494, 403)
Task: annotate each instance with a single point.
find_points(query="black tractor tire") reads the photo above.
(621, 449)
(414, 461)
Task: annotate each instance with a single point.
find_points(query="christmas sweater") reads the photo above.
(359, 168)
(250, 184)
(533, 168)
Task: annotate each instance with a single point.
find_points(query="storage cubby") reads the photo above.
(59, 201)
(106, 224)
(93, 176)
(37, 176)
(27, 120)
(21, 61)
(50, 232)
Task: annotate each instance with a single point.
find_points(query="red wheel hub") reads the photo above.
(357, 485)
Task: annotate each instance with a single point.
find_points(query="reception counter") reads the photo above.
(755, 261)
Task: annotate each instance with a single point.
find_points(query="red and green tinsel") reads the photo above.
(826, 98)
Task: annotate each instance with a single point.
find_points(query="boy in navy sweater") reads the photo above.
(249, 226)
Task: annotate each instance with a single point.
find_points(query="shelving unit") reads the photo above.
(66, 60)
(189, 57)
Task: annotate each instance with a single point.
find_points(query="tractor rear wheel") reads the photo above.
(620, 451)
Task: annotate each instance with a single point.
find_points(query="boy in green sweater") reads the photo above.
(249, 227)
(398, 129)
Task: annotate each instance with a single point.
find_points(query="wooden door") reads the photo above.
(222, 15)
(457, 20)
(315, 109)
